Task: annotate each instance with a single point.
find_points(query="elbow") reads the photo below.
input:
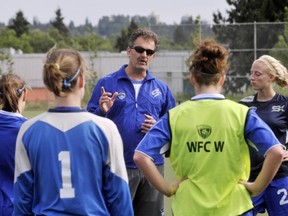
(279, 154)
(137, 157)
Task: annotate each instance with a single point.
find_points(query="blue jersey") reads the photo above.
(10, 124)
(154, 99)
(274, 113)
(70, 162)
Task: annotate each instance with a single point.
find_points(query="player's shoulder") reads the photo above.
(28, 123)
(248, 99)
(100, 121)
(280, 97)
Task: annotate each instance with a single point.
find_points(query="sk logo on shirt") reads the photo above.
(156, 92)
(204, 131)
(278, 108)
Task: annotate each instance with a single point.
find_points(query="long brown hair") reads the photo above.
(12, 87)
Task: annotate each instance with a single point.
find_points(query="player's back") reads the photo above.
(67, 155)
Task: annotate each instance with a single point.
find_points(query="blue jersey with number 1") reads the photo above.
(70, 162)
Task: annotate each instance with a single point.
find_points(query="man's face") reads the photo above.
(141, 54)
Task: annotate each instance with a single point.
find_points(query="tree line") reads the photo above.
(111, 33)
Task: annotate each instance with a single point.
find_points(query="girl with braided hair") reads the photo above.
(272, 107)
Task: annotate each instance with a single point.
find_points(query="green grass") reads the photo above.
(31, 113)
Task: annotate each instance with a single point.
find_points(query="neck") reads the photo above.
(70, 101)
(265, 95)
(136, 73)
(213, 89)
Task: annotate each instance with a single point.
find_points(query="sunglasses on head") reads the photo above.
(140, 49)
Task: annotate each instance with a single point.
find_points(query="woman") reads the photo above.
(206, 139)
(13, 95)
(69, 161)
(272, 107)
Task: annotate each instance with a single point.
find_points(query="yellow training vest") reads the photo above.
(208, 147)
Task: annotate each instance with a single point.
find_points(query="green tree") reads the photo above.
(93, 42)
(122, 40)
(279, 51)
(59, 24)
(237, 36)
(40, 41)
(10, 40)
(20, 25)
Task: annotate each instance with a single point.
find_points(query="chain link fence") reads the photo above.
(246, 42)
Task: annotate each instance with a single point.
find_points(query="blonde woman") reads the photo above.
(272, 107)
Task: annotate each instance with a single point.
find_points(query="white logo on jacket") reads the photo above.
(121, 95)
(156, 92)
(277, 109)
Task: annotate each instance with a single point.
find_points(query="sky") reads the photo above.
(168, 11)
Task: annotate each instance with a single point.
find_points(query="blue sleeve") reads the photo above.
(93, 104)
(259, 133)
(117, 195)
(157, 140)
(23, 190)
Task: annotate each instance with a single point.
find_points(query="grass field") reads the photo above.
(169, 175)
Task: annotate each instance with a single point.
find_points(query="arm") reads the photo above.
(154, 143)
(148, 168)
(270, 167)
(266, 143)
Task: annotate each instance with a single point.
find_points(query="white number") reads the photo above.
(67, 191)
(283, 200)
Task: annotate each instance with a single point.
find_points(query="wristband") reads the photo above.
(172, 189)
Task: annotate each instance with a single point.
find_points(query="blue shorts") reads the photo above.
(274, 199)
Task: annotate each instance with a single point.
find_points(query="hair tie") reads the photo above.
(67, 83)
(20, 90)
(57, 66)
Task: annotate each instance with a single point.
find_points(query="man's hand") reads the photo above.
(148, 123)
(106, 101)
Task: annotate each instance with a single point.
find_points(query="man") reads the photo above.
(135, 99)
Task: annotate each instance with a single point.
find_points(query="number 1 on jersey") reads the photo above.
(67, 191)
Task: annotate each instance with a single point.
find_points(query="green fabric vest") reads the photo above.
(208, 146)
